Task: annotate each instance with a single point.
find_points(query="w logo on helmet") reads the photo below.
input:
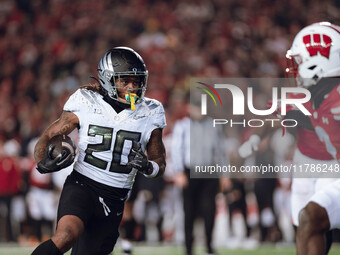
(315, 46)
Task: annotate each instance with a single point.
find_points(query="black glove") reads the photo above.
(140, 160)
(49, 165)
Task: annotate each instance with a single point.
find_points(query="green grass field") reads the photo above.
(173, 250)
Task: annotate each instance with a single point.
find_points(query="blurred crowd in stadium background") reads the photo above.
(49, 48)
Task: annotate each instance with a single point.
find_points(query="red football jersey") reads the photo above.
(10, 176)
(310, 145)
(326, 122)
(308, 141)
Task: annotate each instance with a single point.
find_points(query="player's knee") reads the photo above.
(68, 232)
(69, 235)
(313, 218)
(304, 219)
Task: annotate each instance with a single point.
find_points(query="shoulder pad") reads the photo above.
(152, 103)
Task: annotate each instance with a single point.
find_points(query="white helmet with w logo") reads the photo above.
(315, 53)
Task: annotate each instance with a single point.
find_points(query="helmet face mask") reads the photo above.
(121, 64)
(315, 54)
(292, 70)
(292, 62)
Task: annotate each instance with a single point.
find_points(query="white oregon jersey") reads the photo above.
(105, 137)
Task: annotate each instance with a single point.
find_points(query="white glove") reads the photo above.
(248, 147)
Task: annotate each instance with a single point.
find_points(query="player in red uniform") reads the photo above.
(315, 57)
(310, 150)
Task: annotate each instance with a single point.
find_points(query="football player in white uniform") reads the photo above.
(116, 125)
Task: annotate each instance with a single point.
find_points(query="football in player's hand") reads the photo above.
(62, 144)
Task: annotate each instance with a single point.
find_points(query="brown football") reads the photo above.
(62, 144)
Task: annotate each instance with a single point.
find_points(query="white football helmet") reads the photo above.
(315, 53)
